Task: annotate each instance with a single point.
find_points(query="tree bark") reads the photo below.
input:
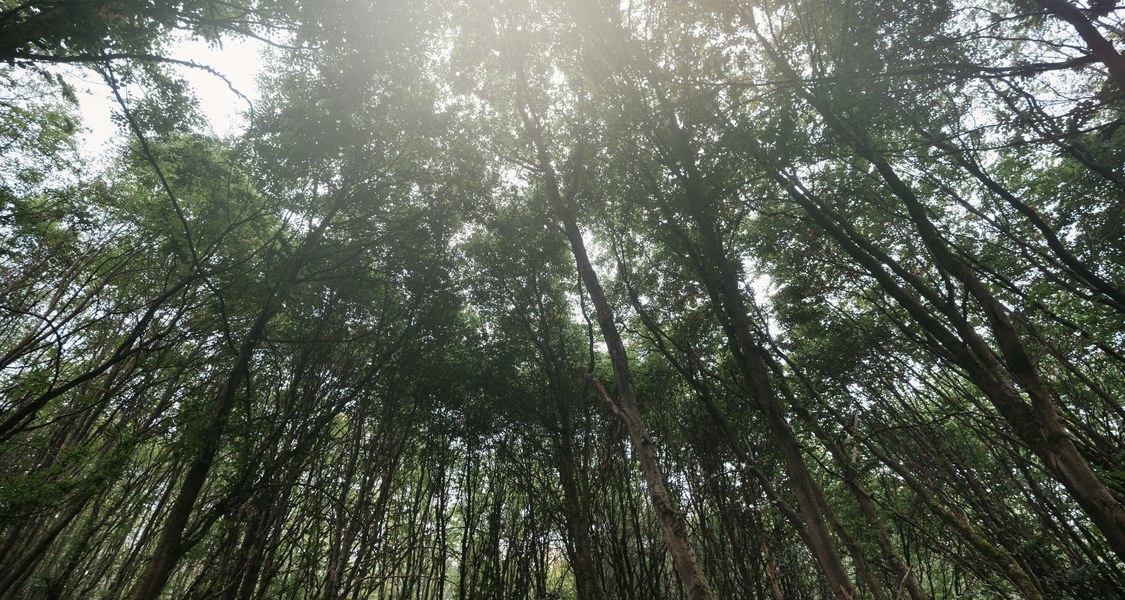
(1039, 425)
(170, 545)
(1101, 48)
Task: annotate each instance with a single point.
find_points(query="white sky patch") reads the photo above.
(239, 60)
(758, 282)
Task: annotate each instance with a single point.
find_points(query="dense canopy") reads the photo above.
(587, 299)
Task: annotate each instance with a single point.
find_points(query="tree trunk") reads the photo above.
(169, 546)
(730, 308)
(1040, 428)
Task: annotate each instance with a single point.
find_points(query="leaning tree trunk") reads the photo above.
(1037, 425)
(668, 515)
(170, 545)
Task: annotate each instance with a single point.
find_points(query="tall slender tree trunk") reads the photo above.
(668, 515)
(1038, 426)
(170, 544)
(720, 278)
(672, 528)
(1098, 45)
(586, 580)
(805, 489)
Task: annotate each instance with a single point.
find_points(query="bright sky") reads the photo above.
(238, 60)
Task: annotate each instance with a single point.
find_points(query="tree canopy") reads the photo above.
(567, 299)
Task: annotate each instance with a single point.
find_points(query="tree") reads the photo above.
(567, 300)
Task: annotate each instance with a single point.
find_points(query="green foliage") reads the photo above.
(346, 352)
(37, 125)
